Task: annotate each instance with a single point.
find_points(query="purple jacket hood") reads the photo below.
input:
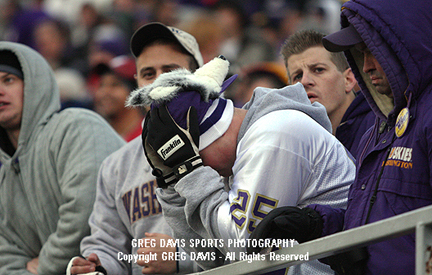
(399, 35)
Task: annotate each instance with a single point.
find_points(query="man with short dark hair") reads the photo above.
(170, 45)
(328, 79)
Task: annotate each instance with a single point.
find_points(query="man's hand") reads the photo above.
(84, 266)
(177, 147)
(164, 174)
(289, 222)
(159, 266)
(32, 265)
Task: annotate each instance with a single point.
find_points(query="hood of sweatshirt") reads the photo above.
(41, 97)
(294, 97)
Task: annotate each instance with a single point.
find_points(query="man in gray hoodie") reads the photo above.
(48, 166)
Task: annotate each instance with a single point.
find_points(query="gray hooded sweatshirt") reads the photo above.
(47, 185)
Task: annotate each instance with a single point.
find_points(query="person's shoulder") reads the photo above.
(78, 115)
(287, 120)
(82, 120)
(133, 147)
(285, 125)
(132, 153)
(82, 124)
(127, 165)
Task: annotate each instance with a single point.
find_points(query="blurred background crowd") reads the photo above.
(85, 39)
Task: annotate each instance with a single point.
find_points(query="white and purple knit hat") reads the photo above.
(180, 89)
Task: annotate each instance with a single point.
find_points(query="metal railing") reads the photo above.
(418, 221)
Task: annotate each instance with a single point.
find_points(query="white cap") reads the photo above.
(219, 123)
(152, 31)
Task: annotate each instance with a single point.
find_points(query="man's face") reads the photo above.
(157, 59)
(320, 77)
(375, 71)
(11, 101)
(110, 96)
(220, 155)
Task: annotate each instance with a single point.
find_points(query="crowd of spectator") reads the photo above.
(75, 36)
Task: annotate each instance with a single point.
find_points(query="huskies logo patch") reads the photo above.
(400, 157)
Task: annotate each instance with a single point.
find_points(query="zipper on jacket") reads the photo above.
(369, 140)
(374, 195)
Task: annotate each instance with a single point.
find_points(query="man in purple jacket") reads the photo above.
(392, 64)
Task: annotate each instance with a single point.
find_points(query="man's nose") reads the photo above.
(307, 80)
(368, 64)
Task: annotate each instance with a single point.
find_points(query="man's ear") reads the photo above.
(350, 80)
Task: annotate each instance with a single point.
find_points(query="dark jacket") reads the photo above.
(357, 119)
(403, 183)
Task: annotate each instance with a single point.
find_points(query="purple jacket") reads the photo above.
(393, 173)
(357, 119)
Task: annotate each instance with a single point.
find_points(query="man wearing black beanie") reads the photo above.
(9, 63)
(49, 161)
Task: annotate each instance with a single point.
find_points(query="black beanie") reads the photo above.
(9, 63)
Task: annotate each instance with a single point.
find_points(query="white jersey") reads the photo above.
(295, 162)
(284, 158)
(125, 208)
